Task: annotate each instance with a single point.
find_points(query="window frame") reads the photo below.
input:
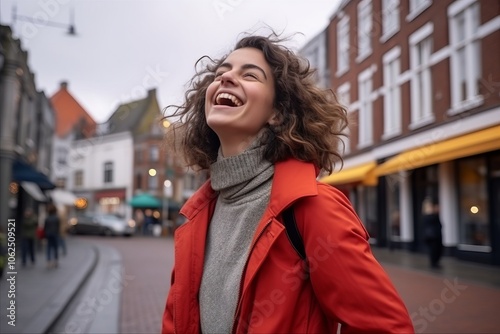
(421, 115)
(392, 93)
(390, 10)
(365, 25)
(343, 45)
(472, 48)
(365, 109)
(108, 172)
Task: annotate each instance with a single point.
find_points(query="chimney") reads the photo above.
(64, 85)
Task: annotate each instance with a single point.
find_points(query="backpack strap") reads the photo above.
(293, 233)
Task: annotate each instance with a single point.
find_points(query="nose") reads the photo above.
(227, 78)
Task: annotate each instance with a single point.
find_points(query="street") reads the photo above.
(147, 265)
(436, 303)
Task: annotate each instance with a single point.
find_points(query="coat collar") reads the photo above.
(292, 180)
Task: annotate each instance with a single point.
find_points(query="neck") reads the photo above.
(233, 146)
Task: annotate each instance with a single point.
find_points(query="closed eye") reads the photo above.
(251, 75)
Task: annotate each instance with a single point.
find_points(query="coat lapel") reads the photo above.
(190, 241)
(292, 180)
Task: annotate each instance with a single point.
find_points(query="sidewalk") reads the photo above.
(84, 293)
(41, 294)
(451, 267)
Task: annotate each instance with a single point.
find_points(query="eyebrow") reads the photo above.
(245, 67)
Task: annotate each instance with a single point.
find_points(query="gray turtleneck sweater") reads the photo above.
(244, 186)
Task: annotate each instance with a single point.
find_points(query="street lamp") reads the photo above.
(42, 21)
(167, 193)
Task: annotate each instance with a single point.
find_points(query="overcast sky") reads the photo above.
(124, 47)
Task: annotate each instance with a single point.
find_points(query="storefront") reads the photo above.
(478, 199)
(463, 174)
(111, 201)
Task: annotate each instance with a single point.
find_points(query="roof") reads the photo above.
(133, 115)
(70, 114)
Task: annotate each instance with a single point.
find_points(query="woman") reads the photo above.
(256, 120)
(51, 230)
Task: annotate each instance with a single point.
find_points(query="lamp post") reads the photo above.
(43, 21)
(167, 193)
(167, 184)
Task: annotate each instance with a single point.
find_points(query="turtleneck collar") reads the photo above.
(237, 176)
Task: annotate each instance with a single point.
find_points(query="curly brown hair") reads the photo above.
(310, 120)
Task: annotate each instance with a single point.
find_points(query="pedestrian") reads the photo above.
(139, 219)
(28, 236)
(432, 228)
(51, 230)
(63, 229)
(147, 228)
(258, 123)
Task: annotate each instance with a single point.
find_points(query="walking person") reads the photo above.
(147, 228)
(51, 230)
(28, 236)
(432, 231)
(258, 123)
(63, 229)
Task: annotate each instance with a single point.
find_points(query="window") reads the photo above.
(61, 182)
(473, 205)
(393, 208)
(108, 172)
(364, 29)
(138, 155)
(345, 144)
(365, 109)
(62, 155)
(343, 94)
(390, 18)
(78, 178)
(366, 206)
(138, 181)
(154, 153)
(417, 7)
(392, 96)
(190, 181)
(465, 56)
(421, 81)
(313, 58)
(343, 45)
(344, 98)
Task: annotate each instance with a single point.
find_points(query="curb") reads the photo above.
(96, 308)
(43, 321)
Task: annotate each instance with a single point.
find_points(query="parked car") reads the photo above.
(101, 224)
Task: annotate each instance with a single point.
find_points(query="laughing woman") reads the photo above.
(258, 123)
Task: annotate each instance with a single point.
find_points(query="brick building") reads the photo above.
(421, 82)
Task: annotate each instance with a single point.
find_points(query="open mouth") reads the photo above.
(226, 99)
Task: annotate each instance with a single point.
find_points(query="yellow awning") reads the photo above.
(446, 150)
(362, 173)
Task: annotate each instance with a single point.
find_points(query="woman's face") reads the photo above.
(239, 102)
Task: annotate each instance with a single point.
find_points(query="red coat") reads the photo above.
(346, 284)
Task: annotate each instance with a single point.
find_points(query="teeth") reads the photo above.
(231, 97)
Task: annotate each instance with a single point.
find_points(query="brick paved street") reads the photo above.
(147, 265)
(438, 303)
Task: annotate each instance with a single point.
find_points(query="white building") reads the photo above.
(100, 171)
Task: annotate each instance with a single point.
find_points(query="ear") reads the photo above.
(274, 119)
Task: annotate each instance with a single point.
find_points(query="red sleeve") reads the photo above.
(168, 314)
(350, 285)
